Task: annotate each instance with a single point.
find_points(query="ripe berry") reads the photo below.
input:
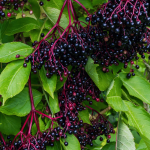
(41, 3)
(66, 143)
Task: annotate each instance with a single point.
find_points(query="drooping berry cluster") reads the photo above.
(120, 32)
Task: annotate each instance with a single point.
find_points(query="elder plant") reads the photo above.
(74, 74)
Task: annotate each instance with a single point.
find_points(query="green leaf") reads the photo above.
(73, 143)
(84, 115)
(13, 79)
(22, 25)
(54, 104)
(96, 2)
(139, 119)
(60, 84)
(137, 86)
(87, 3)
(126, 96)
(41, 124)
(9, 51)
(102, 80)
(49, 85)
(35, 7)
(20, 104)
(115, 68)
(55, 147)
(114, 96)
(142, 145)
(3, 27)
(52, 10)
(9, 124)
(110, 146)
(125, 139)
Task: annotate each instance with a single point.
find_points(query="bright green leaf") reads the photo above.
(52, 9)
(49, 85)
(139, 119)
(22, 25)
(9, 124)
(137, 86)
(87, 3)
(54, 104)
(20, 104)
(114, 96)
(9, 51)
(125, 139)
(73, 143)
(84, 115)
(13, 79)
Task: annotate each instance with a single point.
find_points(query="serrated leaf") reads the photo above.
(110, 146)
(22, 25)
(54, 103)
(73, 143)
(9, 51)
(137, 86)
(9, 124)
(139, 119)
(13, 79)
(49, 85)
(20, 104)
(126, 96)
(114, 96)
(52, 10)
(125, 139)
(84, 115)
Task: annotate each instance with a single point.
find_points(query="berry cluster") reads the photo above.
(120, 32)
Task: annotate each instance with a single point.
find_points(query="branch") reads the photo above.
(105, 110)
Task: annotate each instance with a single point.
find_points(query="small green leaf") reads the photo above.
(52, 10)
(22, 25)
(102, 80)
(110, 146)
(9, 51)
(73, 143)
(41, 124)
(49, 85)
(35, 7)
(9, 124)
(125, 139)
(139, 119)
(54, 104)
(60, 84)
(137, 86)
(84, 115)
(55, 147)
(114, 96)
(13, 79)
(20, 104)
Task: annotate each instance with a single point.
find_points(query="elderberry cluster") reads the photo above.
(120, 31)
